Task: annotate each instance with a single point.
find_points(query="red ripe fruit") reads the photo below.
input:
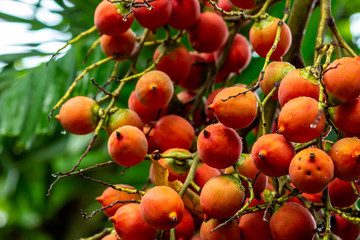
(209, 33)
(246, 4)
(119, 45)
(345, 154)
(344, 228)
(229, 231)
(153, 18)
(204, 173)
(109, 21)
(122, 117)
(219, 146)
(274, 73)
(127, 146)
(347, 117)
(235, 112)
(262, 36)
(272, 154)
(298, 120)
(210, 114)
(146, 114)
(154, 89)
(222, 196)
(342, 194)
(342, 79)
(311, 170)
(79, 115)
(129, 224)
(162, 207)
(197, 73)
(292, 221)
(254, 227)
(298, 83)
(176, 62)
(172, 131)
(184, 230)
(239, 55)
(110, 195)
(184, 13)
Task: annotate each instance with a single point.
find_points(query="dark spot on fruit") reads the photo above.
(308, 173)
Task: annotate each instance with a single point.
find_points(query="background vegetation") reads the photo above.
(32, 147)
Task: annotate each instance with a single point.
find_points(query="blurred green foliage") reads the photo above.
(32, 147)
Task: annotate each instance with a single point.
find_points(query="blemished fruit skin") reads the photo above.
(311, 170)
(162, 207)
(345, 154)
(274, 72)
(120, 45)
(298, 120)
(347, 117)
(154, 89)
(172, 131)
(219, 146)
(155, 18)
(229, 231)
(109, 21)
(79, 115)
(254, 227)
(221, 197)
(184, 13)
(342, 194)
(176, 62)
(272, 154)
(122, 117)
(236, 112)
(129, 224)
(209, 33)
(342, 79)
(292, 221)
(262, 35)
(344, 228)
(127, 146)
(298, 83)
(110, 195)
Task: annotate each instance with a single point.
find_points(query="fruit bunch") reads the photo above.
(191, 119)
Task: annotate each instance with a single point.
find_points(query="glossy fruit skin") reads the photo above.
(127, 146)
(176, 62)
(184, 13)
(122, 117)
(201, 34)
(184, 230)
(172, 131)
(145, 113)
(246, 167)
(162, 207)
(109, 21)
(239, 55)
(129, 224)
(219, 146)
(345, 155)
(342, 194)
(254, 227)
(344, 228)
(79, 115)
(262, 35)
(274, 72)
(204, 173)
(298, 83)
(229, 231)
(197, 73)
(221, 197)
(297, 120)
(272, 154)
(155, 18)
(120, 45)
(342, 79)
(110, 195)
(237, 112)
(154, 89)
(178, 169)
(311, 170)
(347, 117)
(292, 221)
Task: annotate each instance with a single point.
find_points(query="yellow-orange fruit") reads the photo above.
(347, 117)
(311, 170)
(119, 45)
